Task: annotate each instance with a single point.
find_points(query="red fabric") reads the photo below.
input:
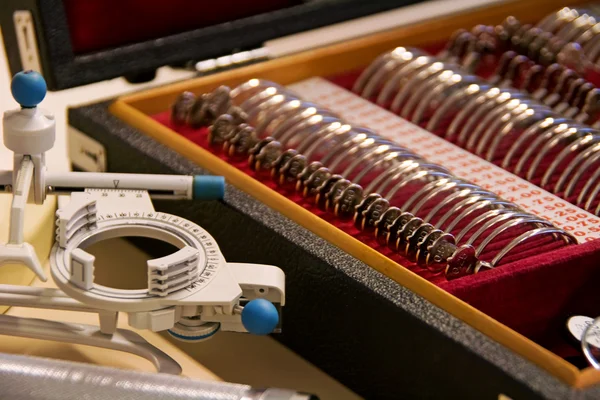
(535, 292)
(102, 24)
(538, 287)
(539, 290)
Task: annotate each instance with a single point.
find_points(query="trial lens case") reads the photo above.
(371, 324)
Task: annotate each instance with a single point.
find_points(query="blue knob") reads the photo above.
(28, 88)
(207, 187)
(260, 317)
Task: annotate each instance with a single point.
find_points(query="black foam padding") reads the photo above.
(365, 330)
(64, 69)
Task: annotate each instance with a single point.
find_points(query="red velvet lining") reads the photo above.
(537, 288)
(534, 292)
(534, 295)
(102, 24)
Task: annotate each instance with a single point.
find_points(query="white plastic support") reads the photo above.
(79, 213)
(173, 272)
(16, 250)
(122, 340)
(156, 321)
(39, 178)
(108, 322)
(21, 188)
(35, 297)
(260, 281)
(30, 132)
(82, 269)
(170, 186)
(24, 254)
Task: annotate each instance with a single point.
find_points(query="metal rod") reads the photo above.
(33, 378)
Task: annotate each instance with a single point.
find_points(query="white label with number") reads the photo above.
(354, 109)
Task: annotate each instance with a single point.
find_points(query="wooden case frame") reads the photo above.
(135, 110)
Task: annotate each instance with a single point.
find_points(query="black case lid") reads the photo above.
(64, 69)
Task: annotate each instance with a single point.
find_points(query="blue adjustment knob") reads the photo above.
(260, 317)
(207, 187)
(28, 88)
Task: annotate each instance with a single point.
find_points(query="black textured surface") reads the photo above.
(63, 69)
(373, 335)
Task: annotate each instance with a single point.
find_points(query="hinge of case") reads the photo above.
(86, 153)
(232, 61)
(26, 40)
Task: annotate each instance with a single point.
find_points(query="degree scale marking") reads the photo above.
(209, 247)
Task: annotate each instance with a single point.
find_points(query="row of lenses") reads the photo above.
(408, 203)
(504, 125)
